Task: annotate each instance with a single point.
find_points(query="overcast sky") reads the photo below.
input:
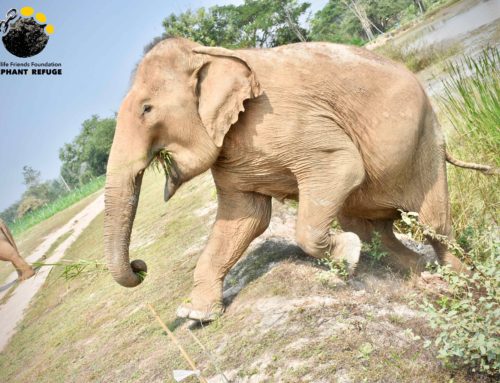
(98, 43)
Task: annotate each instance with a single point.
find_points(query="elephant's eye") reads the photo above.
(146, 108)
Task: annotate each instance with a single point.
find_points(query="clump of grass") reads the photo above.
(472, 101)
(75, 269)
(33, 218)
(417, 59)
(374, 249)
(82, 267)
(141, 274)
(335, 267)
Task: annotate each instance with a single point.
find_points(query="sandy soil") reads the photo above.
(11, 313)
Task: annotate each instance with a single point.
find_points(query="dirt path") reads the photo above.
(11, 313)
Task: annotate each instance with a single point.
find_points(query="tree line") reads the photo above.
(269, 23)
(82, 160)
(255, 23)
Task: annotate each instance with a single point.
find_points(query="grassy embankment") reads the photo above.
(468, 319)
(288, 323)
(472, 104)
(399, 44)
(417, 60)
(30, 238)
(60, 204)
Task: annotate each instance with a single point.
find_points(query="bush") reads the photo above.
(28, 205)
(417, 59)
(467, 317)
(468, 320)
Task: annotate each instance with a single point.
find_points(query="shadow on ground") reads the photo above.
(258, 262)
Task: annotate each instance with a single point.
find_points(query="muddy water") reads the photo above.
(479, 15)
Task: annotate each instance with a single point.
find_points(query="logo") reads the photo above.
(27, 34)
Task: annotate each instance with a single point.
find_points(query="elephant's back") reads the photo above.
(331, 71)
(321, 58)
(371, 97)
(312, 87)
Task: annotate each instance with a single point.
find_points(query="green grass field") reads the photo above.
(52, 208)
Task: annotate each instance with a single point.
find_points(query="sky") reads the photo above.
(98, 43)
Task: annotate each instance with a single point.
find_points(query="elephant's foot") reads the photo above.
(26, 273)
(348, 249)
(205, 313)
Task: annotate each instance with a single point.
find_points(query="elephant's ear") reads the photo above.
(224, 82)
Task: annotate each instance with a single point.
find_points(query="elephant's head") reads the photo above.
(183, 100)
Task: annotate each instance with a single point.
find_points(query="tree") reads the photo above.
(31, 176)
(386, 14)
(36, 195)
(87, 155)
(255, 23)
(358, 8)
(336, 23)
(419, 4)
(353, 21)
(9, 215)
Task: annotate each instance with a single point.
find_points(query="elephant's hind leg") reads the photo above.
(435, 212)
(398, 255)
(322, 193)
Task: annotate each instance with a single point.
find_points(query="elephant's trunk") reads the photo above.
(121, 199)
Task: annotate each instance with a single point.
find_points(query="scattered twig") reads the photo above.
(176, 342)
(209, 356)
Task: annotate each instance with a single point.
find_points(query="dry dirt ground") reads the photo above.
(288, 318)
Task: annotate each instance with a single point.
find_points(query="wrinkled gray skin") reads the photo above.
(347, 133)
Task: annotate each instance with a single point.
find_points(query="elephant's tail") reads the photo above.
(486, 169)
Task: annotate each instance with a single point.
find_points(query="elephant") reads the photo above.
(9, 252)
(348, 134)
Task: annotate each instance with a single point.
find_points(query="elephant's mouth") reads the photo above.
(164, 159)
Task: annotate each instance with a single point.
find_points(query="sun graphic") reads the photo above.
(40, 17)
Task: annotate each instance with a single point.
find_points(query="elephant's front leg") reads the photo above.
(241, 217)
